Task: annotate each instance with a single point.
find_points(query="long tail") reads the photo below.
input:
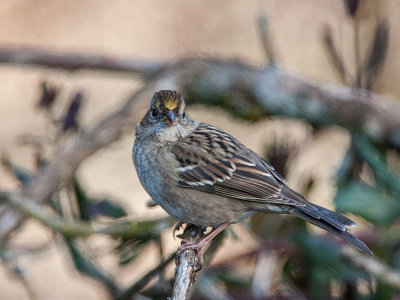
(326, 219)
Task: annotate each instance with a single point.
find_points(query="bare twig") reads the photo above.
(265, 37)
(334, 56)
(73, 228)
(372, 266)
(187, 267)
(141, 283)
(357, 53)
(376, 58)
(184, 274)
(263, 274)
(187, 264)
(209, 290)
(76, 61)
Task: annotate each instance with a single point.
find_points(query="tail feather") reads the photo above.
(334, 216)
(330, 221)
(323, 218)
(335, 219)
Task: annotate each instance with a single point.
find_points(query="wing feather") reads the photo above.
(212, 161)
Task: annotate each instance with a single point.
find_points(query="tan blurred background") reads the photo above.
(166, 31)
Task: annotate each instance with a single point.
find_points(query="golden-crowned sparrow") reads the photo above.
(202, 175)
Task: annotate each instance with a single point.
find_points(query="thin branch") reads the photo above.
(263, 274)
(75, 228)
(76, 61)
(372, 266)
(265, 38)
(210, 289)
(184, 274)
(187, 266)
(357, 54)
(334, 56)
(141, 283)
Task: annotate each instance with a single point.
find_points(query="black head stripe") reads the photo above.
(168, 100)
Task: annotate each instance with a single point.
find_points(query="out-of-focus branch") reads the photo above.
(76, 228)
(263, 275)
(141, 283)
(334, 56)
(265, 38)
(76, 61)
(208, 288)
(242, 89)
(372, 266)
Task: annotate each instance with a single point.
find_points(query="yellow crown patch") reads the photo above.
(171, 100)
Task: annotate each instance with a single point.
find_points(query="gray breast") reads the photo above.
(145, 160)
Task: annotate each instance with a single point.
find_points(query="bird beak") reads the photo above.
(171, 116)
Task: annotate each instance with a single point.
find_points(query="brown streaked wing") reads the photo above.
(212, 161)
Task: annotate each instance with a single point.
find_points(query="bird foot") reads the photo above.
(197, 247)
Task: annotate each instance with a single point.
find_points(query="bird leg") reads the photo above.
(198, 246)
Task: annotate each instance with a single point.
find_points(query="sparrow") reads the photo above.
(204, 176)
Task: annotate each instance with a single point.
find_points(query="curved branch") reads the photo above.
(78, 228)
(372, 266)
(72, 61)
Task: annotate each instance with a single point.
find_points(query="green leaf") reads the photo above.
(91, 208)
(383, 174)
(370, 203)
(82, 199)
(23, 175)
(107, 208)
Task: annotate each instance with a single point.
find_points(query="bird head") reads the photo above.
(167, 106)
(166, 119)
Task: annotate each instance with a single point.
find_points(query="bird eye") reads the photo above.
(183, 115)
(154, 113)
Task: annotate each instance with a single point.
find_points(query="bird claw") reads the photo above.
(197, 247)
(177, 227)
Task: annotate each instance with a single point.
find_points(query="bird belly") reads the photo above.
(185, 204)
(204, 209)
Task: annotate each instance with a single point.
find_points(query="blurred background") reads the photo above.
(274, 257)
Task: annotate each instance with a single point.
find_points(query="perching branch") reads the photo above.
(187, 267)
(184, 274)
